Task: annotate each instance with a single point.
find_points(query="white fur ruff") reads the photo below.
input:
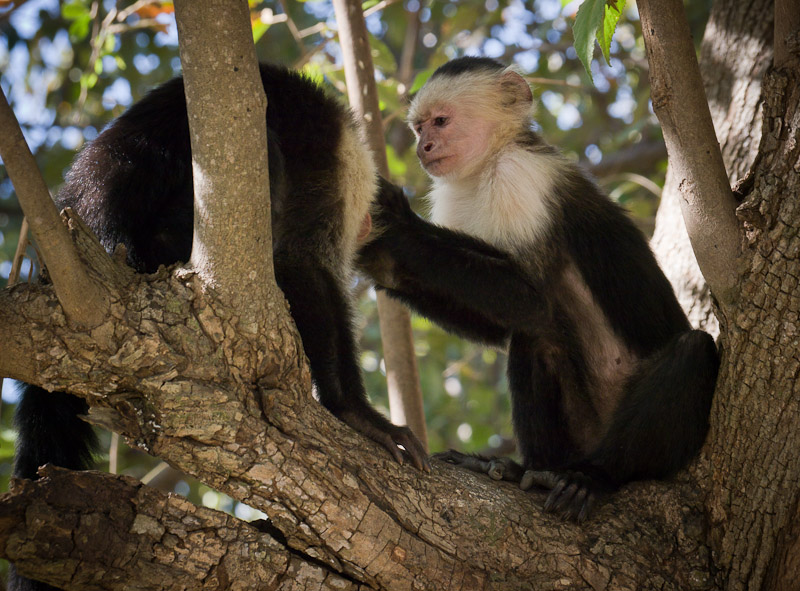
(510, 204)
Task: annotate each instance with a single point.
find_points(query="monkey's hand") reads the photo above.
(391, 212)
(390, 436)
(573, 495)
(375, 261)
(496, 468)
(391, 216)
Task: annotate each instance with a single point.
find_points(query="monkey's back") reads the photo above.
(133, 183)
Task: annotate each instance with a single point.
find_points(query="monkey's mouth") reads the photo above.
(431, 163)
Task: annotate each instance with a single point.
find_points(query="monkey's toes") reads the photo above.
(573, 495)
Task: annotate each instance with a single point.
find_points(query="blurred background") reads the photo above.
(68, 68)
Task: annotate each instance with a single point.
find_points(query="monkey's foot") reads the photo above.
(496, 468)
(573, 495)
(389, 436)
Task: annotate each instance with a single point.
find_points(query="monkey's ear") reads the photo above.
(515, 91)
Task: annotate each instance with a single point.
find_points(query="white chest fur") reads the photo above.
(508, 205)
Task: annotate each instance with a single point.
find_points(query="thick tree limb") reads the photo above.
(84, 303)
(753, 443)
(51, 529)
(708, 203)
(232, 248)
(405, 395)
(166, 372)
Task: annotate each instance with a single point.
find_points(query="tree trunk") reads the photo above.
(753, 458)
(734, 55)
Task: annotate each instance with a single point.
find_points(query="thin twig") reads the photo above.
(19, 254)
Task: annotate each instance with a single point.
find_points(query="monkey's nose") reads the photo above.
(428, 146)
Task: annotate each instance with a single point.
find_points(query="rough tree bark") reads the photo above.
(734, 55)
(170, 370)
(753, 455)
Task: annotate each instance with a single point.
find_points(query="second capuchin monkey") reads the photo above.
(608, 381)
(133, 186)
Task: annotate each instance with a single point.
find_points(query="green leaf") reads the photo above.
(75, 10)
(382, 57)
(88, 80)
(259, 29)
(420, 80)
(588, 20)
(613, 12)
(79, 29)
(109, 44)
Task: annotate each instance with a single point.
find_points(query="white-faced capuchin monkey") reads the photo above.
(608, 381)
(133, 186)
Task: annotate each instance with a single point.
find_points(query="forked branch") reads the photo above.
(679, 101)
(84, 301)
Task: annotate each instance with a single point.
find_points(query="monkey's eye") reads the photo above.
(440, 121)
(418, 129)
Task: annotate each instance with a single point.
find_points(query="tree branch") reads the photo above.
(232, 248)
(708, 203)
(84, 302)
(151, 540)
(405, 395)
(164, 373)
(641, 157)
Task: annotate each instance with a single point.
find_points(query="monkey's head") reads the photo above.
(468, 109)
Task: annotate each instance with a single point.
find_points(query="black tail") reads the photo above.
(662, 420)
(49, 432)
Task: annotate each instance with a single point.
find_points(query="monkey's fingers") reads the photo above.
(505, 469)
(541, 478)
(496, 468)
(413, 446)
(380, 430)
(467, 461)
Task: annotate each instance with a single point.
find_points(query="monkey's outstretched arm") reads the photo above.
(324, 319)
(458, 281)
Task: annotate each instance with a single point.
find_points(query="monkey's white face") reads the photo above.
(451, 142)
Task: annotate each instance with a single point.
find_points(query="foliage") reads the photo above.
(596, 19)
(68, 69)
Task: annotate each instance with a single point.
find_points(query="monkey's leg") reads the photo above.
(323, 315)
(662, 420)
(542, 377)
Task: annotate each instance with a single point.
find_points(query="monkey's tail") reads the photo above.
(49, 431)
